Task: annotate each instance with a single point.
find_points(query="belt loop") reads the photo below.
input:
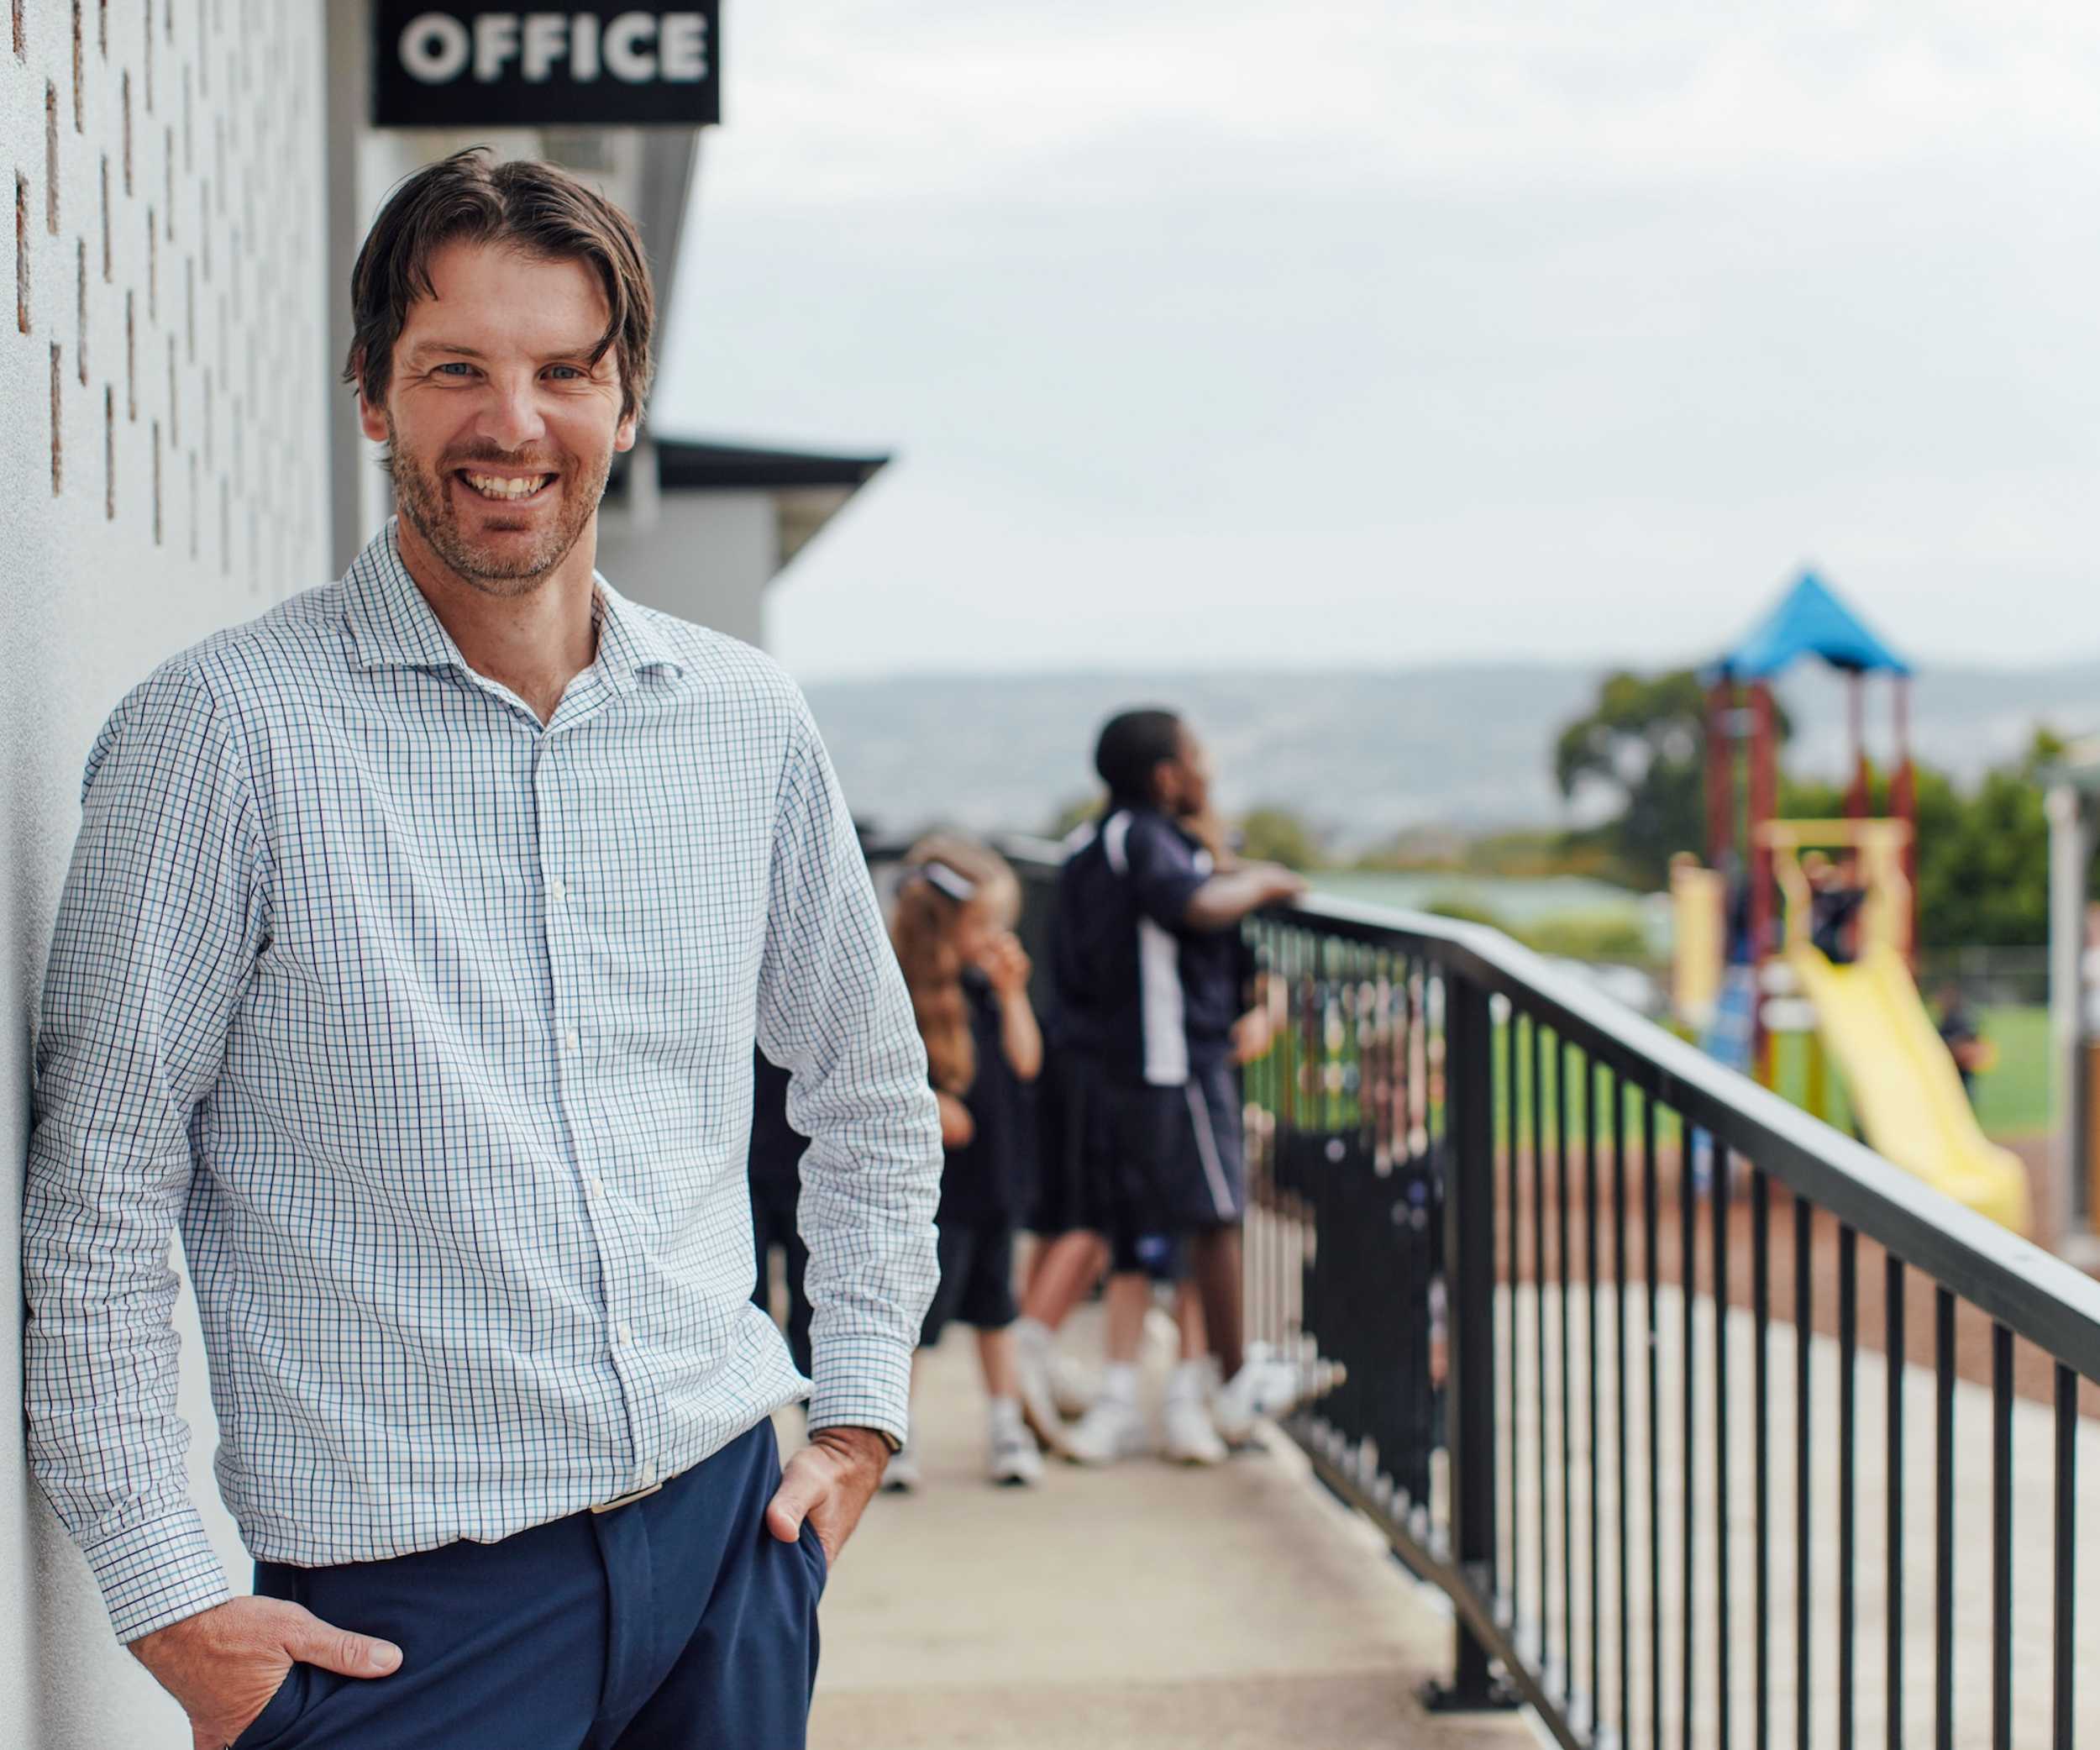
(626, 1499)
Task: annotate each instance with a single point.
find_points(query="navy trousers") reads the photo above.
(676, 1623)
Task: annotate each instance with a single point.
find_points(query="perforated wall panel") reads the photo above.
(166, 169)
(164, 375)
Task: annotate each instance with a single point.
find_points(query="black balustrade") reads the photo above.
(1484, 1189)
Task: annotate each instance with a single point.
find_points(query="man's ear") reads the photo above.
(629, 429)
(372, 416)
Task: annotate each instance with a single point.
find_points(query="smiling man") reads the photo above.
(411, 959)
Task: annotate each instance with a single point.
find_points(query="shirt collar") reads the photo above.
(392, 626)
(629, 640)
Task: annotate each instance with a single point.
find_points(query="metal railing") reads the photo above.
(1538, 1233)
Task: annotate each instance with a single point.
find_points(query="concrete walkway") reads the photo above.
(1139, 1605)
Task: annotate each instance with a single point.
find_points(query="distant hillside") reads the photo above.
(1361, 755)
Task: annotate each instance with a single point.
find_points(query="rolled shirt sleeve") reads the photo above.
(158, 925)
(832, 1009)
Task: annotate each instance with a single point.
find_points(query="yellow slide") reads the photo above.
(1905, 1089)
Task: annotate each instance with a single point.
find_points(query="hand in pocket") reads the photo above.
(223, 1664)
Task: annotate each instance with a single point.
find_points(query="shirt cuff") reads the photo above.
(157, 1573)
(865, 1383)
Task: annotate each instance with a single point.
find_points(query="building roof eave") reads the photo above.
(685, 464)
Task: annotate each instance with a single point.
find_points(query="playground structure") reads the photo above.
(1807, 929)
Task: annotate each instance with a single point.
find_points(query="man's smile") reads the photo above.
(503, 486)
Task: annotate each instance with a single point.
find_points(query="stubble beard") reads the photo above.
(422, 497)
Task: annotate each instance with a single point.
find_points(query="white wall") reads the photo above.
(708, 557)
(190, 492)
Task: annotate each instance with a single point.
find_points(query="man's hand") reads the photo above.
(223, 1664)
(828, 1483)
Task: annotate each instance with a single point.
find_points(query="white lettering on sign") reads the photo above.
(637, 48)
(685, 47)
(583, 48)
(434, 48)
(494, 42)
(546, 40)
(624, 54)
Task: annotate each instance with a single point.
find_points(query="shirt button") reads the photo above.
(571, 1039)
(595, 1187)
(648, 1475)
(626, 1333)
(558, 890)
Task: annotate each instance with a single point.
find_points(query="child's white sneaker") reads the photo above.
(1014, 1462)
(901, 1476)
(1112, 1429)
(1263, 1387)
(1186, 1436)
(1074, 1386)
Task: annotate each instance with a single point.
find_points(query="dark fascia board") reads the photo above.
(686, 466)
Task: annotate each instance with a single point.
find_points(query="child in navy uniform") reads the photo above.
(777, 1148)
(1151, 1010)
(953, 927)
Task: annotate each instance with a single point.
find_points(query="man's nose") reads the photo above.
(511, 417)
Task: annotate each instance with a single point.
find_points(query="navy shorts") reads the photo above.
(1152, 1163)
(675, 1622)
(1073, 1193)
(1179, 1161)
(977, 1279)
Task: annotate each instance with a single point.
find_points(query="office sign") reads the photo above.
(485, 66)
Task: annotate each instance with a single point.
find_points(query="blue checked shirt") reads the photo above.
(431, 1026)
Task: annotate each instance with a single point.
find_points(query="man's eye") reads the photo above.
(568, 373)
(464, 369)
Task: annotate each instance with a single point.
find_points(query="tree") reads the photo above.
(1276, 835)
(1644, 740)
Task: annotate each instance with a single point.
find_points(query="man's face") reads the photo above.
(1186, 779)
(501, 428)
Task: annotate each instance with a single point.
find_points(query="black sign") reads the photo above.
(484, 66)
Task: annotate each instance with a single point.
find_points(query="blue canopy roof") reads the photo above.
(1810, 620)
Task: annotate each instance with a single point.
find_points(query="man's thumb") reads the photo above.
(791, 1505)
(335, 1649)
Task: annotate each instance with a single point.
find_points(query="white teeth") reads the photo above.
(490, 486)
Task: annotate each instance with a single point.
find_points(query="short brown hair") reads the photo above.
(535, 208)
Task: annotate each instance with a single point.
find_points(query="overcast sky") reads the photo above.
(1212, 333)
